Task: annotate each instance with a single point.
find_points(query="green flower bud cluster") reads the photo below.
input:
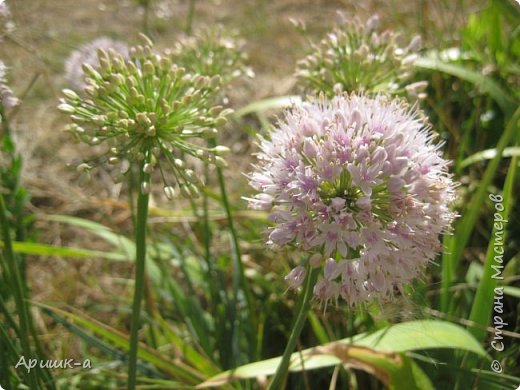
(356, 56)
(212, 51)
(149, 111)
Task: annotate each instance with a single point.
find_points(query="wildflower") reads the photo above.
(359, 183)
(7, 98)
(87, 54)
(358, 57)
(212, 51)
(148, 110)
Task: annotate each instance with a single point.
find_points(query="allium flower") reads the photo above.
(7, 98)
(87, 54)
(149, 110)
(212, 51)
(359, 183)
(357, 57)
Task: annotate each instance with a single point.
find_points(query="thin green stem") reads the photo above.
(146, 16)
(140, 258)
(239, 279)
(189, 19)
(301, 315)
(238, 267)
(18, 291)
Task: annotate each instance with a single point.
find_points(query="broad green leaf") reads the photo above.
(395, 339)
(419, 335)
(396, 371)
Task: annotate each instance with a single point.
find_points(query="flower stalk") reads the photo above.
(140, 273)
(146, 111)
(304, 305)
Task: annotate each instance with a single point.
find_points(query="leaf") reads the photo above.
(267, 104)
(419, 335)
(456, 243)
(121, 242)
(173, 367)
(485, 84)
(512, 291)
(395, 339)
(394, 370)
(482, 307)
(31, 248)
(489, 154)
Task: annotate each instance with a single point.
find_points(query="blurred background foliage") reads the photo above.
(215, 295)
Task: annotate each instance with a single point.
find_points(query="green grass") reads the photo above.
(216, 310)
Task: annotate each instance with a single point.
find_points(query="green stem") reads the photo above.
(18, 291)
(146, 17)
(302, 311)
(464, 228)
(189, 19)
(140, 257)
(239, 279)
(238, 267)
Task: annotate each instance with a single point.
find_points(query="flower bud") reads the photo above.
(220, 162)
(220, 121)
(148, 168)
(169, 191)
(151, 132)
(148, 68)
(296, 277)
(66, 108)
(145, 188)
(220, 150)
(70, 94)
(83, 167)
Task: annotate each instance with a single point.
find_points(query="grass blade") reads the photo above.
(174, 368)
(485, 84)
(456, 243)
(482, 305)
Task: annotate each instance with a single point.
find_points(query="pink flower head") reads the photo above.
(360, 181)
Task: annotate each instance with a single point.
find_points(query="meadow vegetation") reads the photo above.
(147, 260)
